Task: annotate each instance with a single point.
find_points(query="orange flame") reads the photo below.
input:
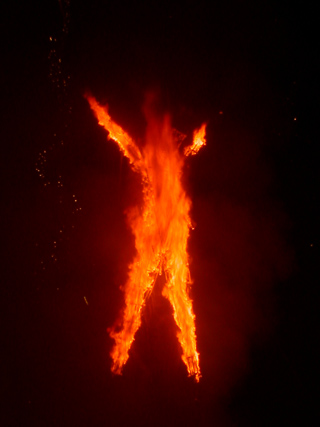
(199, 140)
(161, 232)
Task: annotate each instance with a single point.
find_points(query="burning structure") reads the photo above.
(161, 229)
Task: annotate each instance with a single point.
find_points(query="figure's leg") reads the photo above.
(139, 285)
(178, 276)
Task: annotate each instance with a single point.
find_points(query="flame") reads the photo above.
(199, 140)
(161, 231)
(125, 142)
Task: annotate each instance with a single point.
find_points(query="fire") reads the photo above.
(198, 141)
(161, 230)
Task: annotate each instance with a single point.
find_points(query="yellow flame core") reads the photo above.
(161, 232)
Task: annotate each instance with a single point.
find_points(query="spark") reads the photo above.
(59, 79)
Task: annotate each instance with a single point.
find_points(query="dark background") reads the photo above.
(249, 70)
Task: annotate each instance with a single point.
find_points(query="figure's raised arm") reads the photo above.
(125, 142)
(199, 140)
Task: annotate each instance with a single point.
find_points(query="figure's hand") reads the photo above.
(199, 140)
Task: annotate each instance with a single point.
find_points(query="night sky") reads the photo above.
(249, 70)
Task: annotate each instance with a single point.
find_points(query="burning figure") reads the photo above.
(161, 230)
